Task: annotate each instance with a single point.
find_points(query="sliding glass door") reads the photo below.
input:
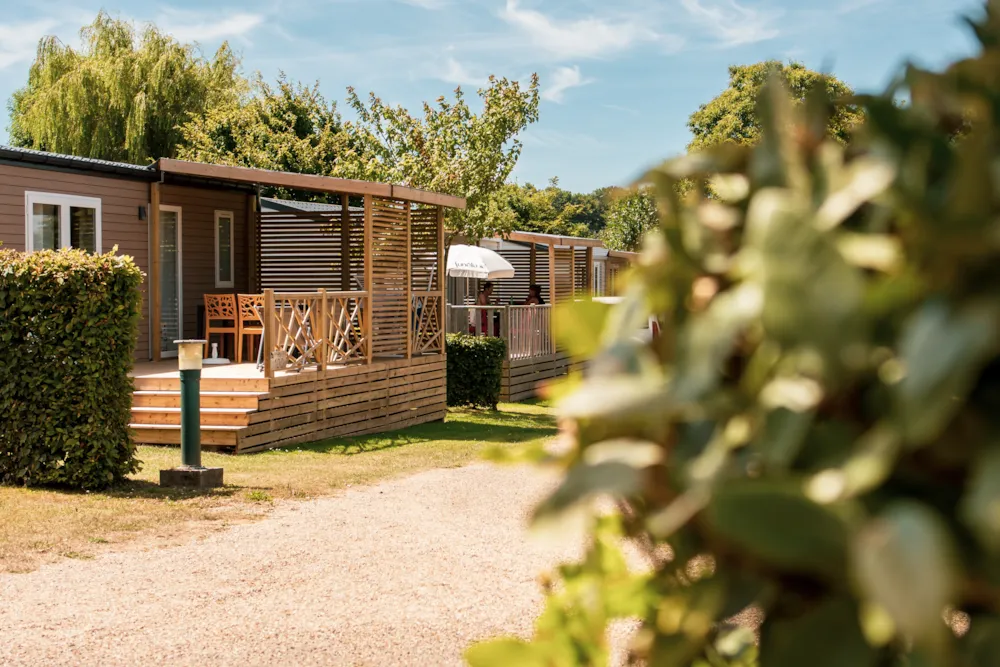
(171, 310)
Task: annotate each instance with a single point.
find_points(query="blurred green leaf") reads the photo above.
(981, 505)
(981, 645)
(579, 327)
(584, 482)
(904, 562)
(778, 524)
(941, 350)
(826, 636)
(504, 653)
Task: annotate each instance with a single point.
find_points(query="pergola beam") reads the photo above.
(311, 182)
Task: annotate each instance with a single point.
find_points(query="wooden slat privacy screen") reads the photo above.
(302, 252)
(389, 289)
(424, 250)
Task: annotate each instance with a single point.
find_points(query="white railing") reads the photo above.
(527, 329)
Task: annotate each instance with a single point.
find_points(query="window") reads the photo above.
(54, 221)
(224, 249)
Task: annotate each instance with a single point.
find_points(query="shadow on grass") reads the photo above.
(139, 488)
(461, 425)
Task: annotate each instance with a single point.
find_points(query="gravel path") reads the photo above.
(408, 572)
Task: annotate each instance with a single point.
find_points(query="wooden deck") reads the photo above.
(522, 377)
(243, 411)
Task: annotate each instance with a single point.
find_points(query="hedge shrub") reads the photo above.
(475, 366)
(68, 326)
(817, 432)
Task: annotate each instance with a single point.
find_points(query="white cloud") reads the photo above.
(562, 80)
(202, 27)
(19, 41)
(733, 24)
(589, 37)
(455, 72)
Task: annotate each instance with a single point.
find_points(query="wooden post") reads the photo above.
(572, 272)
(532, 264)
(251, 232)
(345, 243)
(588, 273)
(268, 319)
(324, 331)
(369, 260)
(441, 286)
(552, 274)
(410, 310)
(155, 344)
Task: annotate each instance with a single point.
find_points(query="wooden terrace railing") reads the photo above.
(527, 329)
(427, 327)
(315, 329)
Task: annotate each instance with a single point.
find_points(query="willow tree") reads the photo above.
(122, 96)
(450, 149)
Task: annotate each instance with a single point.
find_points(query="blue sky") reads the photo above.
(619, 78)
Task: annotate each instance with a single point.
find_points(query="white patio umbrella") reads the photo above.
(470, 261)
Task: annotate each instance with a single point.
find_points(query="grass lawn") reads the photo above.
(41, 525)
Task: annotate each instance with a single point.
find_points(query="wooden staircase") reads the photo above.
(226, 406)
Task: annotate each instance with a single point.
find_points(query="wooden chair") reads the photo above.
(221, 319)
(251, 322)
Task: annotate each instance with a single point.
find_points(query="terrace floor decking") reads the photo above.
(244, 411)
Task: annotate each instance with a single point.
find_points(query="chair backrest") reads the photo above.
(220, 307)
(251, 307)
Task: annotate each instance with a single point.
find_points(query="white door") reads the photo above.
(171, 312)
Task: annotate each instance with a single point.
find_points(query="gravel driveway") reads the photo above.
(405, 573)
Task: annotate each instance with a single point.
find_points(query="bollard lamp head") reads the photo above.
(189, 353)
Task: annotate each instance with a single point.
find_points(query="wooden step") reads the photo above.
(209, 399)
(209, 416)
(170, 434)
(207, 384)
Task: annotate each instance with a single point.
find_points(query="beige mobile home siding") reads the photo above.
(198, 207)
(120, 223)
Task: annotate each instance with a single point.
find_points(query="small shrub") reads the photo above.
(68, 327)
(475, 366)
(258, 496)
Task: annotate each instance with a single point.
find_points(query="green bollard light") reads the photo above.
(191, 473)
(189, 364)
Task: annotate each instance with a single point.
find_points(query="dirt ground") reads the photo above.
(407, 572)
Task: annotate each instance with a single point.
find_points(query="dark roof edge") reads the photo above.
(40, 159)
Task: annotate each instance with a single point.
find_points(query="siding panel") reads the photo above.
(120, 224)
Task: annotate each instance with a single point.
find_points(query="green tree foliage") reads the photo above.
(68, 327)
(630, 216)
(816, 432)
(123, 96)
(450, 149)
(732, 116)
(286, 127)
(553, 210)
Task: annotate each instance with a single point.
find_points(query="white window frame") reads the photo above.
(232, 250)
(64, 202)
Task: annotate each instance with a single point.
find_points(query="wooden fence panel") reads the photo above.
(390, 310)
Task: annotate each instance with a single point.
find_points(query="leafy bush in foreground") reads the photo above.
(68, 326)
(817, 431)
(475, 369)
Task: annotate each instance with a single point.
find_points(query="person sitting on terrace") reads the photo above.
(485, 299)
(534, 296)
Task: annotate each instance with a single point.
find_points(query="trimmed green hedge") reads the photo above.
(68, 327)
(475, 367)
